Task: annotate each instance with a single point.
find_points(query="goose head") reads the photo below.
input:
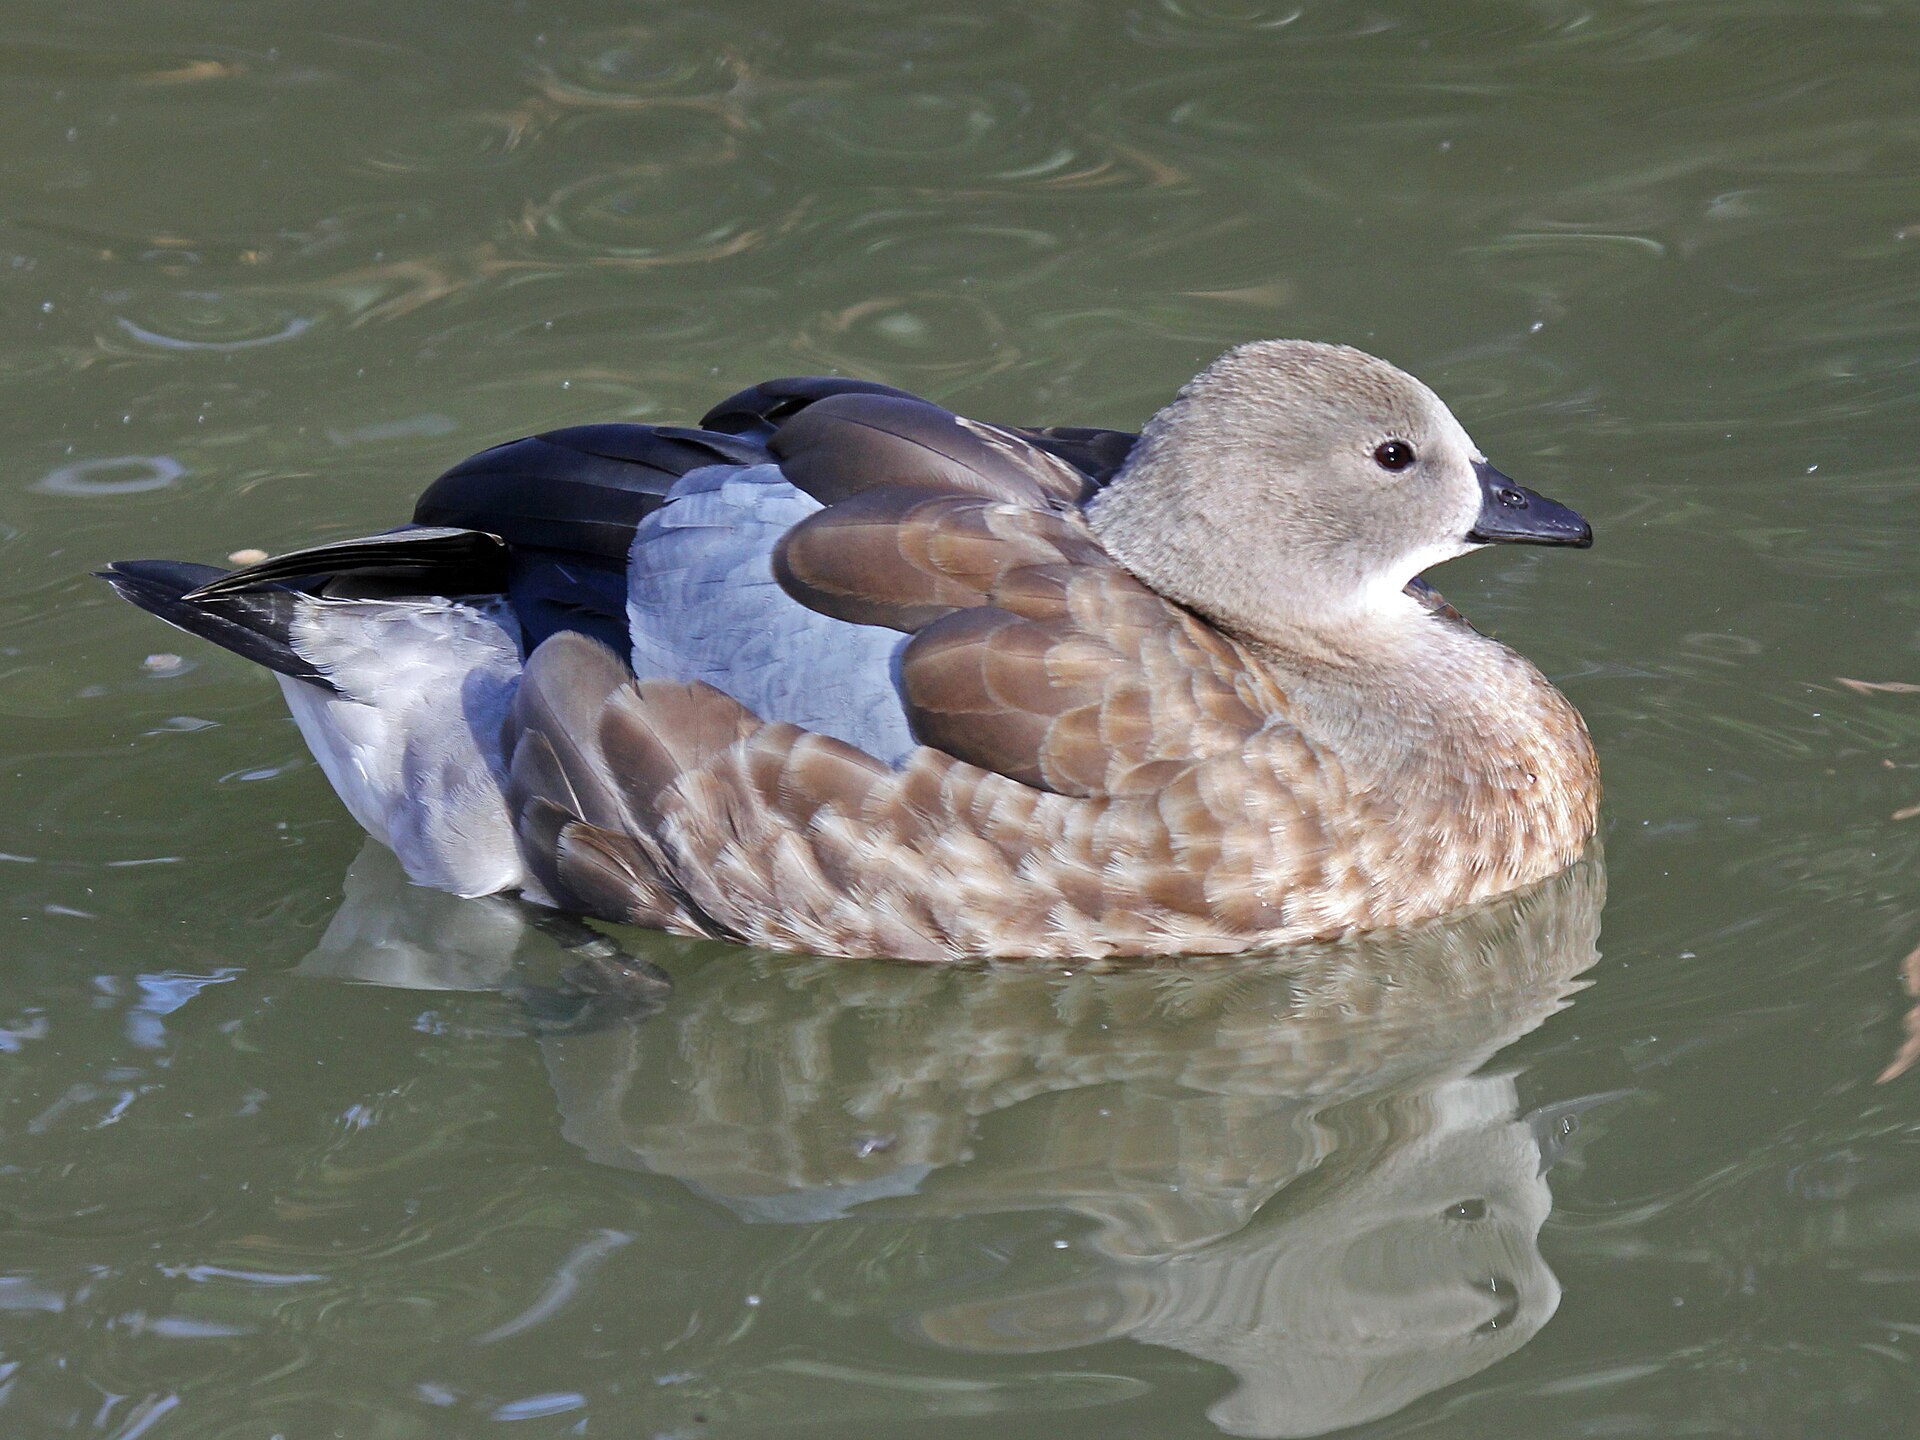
(1294, 488)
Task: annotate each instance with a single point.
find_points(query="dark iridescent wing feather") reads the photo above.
(579, 491)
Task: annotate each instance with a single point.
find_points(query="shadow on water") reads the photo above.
(1296, 1167)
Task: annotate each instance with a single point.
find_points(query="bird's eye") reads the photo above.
(1394, 455)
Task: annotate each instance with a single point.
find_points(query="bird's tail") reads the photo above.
(254, 623)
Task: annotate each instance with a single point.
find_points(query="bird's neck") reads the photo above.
(1447, 737)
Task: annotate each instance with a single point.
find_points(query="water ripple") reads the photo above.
(636, 65)
(213, 322)
(656, 217)
(111, 475)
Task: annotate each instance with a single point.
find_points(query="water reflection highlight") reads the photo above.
(1291, 1166)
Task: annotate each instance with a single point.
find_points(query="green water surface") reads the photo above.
(287, 1149)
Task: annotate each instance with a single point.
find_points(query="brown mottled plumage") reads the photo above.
(1175, 696)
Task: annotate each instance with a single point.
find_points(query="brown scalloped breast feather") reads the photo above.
(780, 837)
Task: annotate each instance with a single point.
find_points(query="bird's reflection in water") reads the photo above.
(1291, 1164)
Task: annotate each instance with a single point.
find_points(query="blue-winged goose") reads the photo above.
(843, 672)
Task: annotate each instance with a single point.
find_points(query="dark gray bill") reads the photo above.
(1511, 514)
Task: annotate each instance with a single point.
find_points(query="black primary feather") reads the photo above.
(578, 491)
(413, 560)
(255, 624)
(759, 410)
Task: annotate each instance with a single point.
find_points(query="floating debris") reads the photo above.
(163, 662)
(1878, 687)
(1909, 1050)
(246, 557)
